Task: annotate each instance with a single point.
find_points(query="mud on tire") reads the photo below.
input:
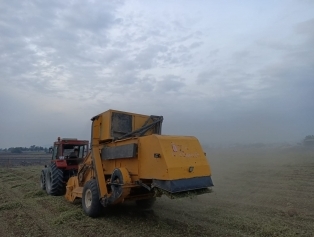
(54, 181)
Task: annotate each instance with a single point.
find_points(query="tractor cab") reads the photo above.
(67, 153)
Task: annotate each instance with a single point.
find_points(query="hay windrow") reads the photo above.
(11, 206)
(72, 215)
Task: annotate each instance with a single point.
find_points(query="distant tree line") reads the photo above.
(25, 149)
(309, 140)
(309, 137)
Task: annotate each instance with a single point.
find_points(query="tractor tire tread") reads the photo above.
(96, 208)
(43, 180)
(57, 184)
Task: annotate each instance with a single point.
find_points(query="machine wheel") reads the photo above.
(43, 180)
(54, 181)
(90, 199)
(145, 203)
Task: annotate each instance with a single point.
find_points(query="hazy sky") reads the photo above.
(224, 71)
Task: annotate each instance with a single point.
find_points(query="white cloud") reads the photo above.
(214, 60)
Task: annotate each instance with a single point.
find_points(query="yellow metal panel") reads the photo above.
(110, 165)
(78, 191)
(180, 157)
(130, 163)
(73, 189)
(97, 159)
(105, 128)
(150, 167)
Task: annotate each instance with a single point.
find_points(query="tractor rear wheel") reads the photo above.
(145, 203)
(90, 199)
(43, 180)
(54, 181)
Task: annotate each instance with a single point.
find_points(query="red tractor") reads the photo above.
(67, 154)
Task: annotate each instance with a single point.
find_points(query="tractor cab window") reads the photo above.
(82, 151)
(68, 149)
(54, 152)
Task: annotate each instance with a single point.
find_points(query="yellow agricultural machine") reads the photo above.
(129, 159)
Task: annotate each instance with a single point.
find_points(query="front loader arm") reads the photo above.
(97, 164)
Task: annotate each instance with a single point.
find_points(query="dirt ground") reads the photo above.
(258, 192)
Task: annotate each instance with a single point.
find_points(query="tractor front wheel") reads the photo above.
(43, 180)
(90, 199)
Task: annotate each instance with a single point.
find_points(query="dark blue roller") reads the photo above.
(181, 185)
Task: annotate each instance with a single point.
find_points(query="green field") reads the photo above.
(257, 193)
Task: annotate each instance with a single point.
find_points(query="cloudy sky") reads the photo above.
(224, 71)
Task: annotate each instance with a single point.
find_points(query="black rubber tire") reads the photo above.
(90, 199)
(43, 180)
(145, 203)
(55, 185)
